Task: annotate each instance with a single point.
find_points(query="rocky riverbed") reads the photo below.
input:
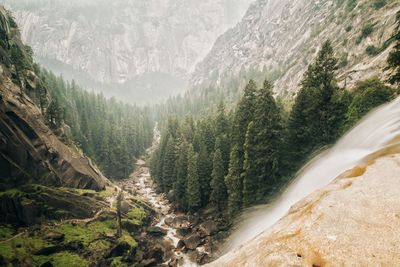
(178, 239)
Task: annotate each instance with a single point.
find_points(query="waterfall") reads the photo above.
(373, 133)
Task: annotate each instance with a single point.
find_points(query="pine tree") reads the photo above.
(233, 183)
(204, 170)
(249, 175)
(181, 174)
(193, 184)
(218, 187)
(243, 116)
(54, 113)
(222, 130)
(168, 174)
(221, 122)
(314, 120)
(268, 140)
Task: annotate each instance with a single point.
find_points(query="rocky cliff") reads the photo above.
(149, 46)
(278, 39)
(351, 222)
(31, 150)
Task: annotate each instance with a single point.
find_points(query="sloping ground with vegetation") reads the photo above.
(56, 206)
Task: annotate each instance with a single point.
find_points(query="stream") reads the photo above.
(141, 183)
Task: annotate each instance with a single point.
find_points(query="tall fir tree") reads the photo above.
(313, 121)
(222, 130)
(181, 174)
(249, 175)
(204, 170)
(193, 185)
(268, 139)
(168, 174)
(233, 183)
(218, 187)
(243, 115)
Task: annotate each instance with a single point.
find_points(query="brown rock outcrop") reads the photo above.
(31, 152)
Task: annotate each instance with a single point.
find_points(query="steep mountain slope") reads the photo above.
(31, 154)
(30, 151)
(277, 39)
(56, 207)
(150, 46)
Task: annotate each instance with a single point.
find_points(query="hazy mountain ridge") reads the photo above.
(278, 39)
(118, 42)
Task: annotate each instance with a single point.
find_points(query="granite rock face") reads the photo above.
(31, 151)
(277, 39)
(143, 45)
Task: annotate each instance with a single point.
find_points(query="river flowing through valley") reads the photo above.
(141, 184)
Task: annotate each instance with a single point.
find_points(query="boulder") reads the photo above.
(156, 253)
(47, 264)
(72, 246)
(54, 237)
(169, 220)
(180, 221)
(180, 244)
(208, 228)
(168, 250)
(192, 241)
(129, 226)
(183, 231)
(156, 231)
(148, 263)
(119, 249)
(194, 219)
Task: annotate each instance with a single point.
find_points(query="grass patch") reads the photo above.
(11, 193)
(99, 245)
(117, 262)
(21, 247)
(128, 239)
(136, 215)
(6, 232)
(86, 233)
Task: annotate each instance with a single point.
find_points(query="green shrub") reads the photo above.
(343, 60)
(351, 4)
(349, 28)
(378, 4)
(368, 95)
(367, 30)
(372, 50)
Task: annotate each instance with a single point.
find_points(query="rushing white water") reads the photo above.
(145, 188)
(371, 134)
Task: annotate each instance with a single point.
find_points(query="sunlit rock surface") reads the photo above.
(354, 221)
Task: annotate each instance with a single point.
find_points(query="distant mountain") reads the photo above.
(277, 39)
(142, 50)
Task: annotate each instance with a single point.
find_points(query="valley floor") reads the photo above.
(141, 185)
